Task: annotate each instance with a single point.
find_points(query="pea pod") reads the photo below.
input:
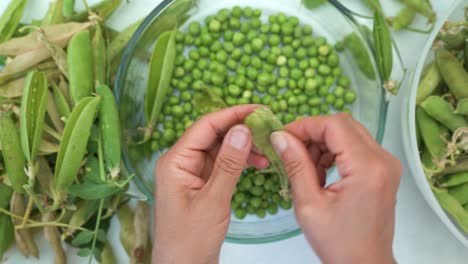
(454, 179)
(107, 254)
(11, 18)
(62, 105)
(359, 52)
(84, 211)
(161, 68)
(441, 110)
(110, 130)
(32, 114)
(141, 225)
(373, 4)
(52, 235)
(423, 7)
(57, 53)
(119, 43)
(465, 54)
(99, 56)
(453, 38)
(73, 145)
(262, 122)
(429, 82)
(68, 8)
(54, 13)
(452, 206)
(6, 226)
(431, 134)
(53, 113)
(383, 47)
(460, 166)
(103, 9)
(80, 66)
(462, 107)
(24, 238)
(58, 34)
(452, 72)
(13, 157)
(127, 228)
(404, 18)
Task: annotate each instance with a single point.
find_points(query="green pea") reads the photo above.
(324, 69)
(324, 109)
(296, 74)
(349, 96)
(272, 208)
(339, 104)
(333, 60)
(194, 29)
(240, 213)
(234, 90)
(261, 213)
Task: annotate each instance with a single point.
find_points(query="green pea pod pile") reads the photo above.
(60, 142)
(442, 118)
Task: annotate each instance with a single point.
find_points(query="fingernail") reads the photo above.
(279, 141)
(239, 137)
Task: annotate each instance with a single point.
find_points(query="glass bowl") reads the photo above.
(456, 13)
(330, 20)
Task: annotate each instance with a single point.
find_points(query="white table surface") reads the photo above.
(420, 237)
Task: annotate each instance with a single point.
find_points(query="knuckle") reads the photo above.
(228, 164)
(294, 167)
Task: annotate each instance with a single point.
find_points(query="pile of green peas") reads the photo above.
(242, 59)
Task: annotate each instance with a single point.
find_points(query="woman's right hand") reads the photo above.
(352, 220)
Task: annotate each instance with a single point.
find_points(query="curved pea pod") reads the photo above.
(431, 134)
(460, 193)
(24, 238)
(10, 19)
(110, 130)
(453, 73)
(441, 110)
(80, 66)
(160, 74)
(359, 52)
(52, 235)
(141, 225)
(404, 18)
(127, 228)
(61, 102)
(13, 157)
(32, 114)
(453, 180)
(99, 56)
(452, 207)
(383, 46)
(428, 83)
(107, 254)
(262, 122)
(73, 145)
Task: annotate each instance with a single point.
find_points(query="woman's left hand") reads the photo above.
(195, 181)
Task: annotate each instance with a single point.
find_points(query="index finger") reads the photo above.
(206, 133)
(337, 132)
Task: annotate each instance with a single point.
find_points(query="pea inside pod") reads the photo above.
(429, 82)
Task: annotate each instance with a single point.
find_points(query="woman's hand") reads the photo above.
(351, 221)
(195, 181)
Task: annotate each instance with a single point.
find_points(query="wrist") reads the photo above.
(181, 254)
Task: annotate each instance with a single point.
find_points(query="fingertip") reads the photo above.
(239, 137)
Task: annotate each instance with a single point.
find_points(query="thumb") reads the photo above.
(301, 170)
(231, 160)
